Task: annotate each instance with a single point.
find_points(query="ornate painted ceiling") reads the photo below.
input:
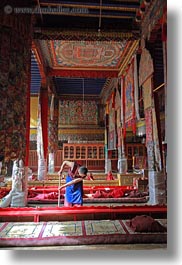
(68, 62)
(83, 40)
(83, 54)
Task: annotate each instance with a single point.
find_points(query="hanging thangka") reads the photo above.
(112, 129)
(118, 118)
(156, 141)
(149, 138)
(129, 102)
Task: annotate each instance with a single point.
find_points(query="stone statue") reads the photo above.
(17, 175)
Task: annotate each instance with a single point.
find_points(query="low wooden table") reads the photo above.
(128, 178)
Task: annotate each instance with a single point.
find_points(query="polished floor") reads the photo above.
(95, 247)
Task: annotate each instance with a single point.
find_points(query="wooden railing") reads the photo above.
(33, 160)
(92, 164)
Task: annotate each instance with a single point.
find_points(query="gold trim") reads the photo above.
(86, 69)
(128, 57)
(80, 131)
(86, 15)
(163, 84)
(114, 8)
(118, 34)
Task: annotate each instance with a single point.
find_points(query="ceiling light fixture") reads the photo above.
(100, 17)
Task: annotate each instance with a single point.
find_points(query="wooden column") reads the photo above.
(15, 62)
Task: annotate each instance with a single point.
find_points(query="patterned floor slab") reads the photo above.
(49, 229)
(104, 227)
(63, 229)
(72, 232)
(21, 230)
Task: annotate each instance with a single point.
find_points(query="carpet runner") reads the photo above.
(75, 233)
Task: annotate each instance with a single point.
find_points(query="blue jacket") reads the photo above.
(74, 193)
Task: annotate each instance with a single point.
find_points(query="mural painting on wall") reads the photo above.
(4, 70)
(79, 137)
(14, 80)
(77, 112)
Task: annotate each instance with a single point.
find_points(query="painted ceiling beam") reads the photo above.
(92, 9)
(104, 6)
(81, 73)
(112, 15)
(109, 5)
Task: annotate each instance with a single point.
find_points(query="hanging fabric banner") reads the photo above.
(112, 129)
(44, 118)
(136, 88)
(122, 106)
(156, 142)
(146, 67)
(119, 136)
(52, 108)
(42, 134)
(118, 101)
(147, 93)
(129, 112)
(123, 112)
(149, 139)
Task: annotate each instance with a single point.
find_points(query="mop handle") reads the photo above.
(59, 192)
